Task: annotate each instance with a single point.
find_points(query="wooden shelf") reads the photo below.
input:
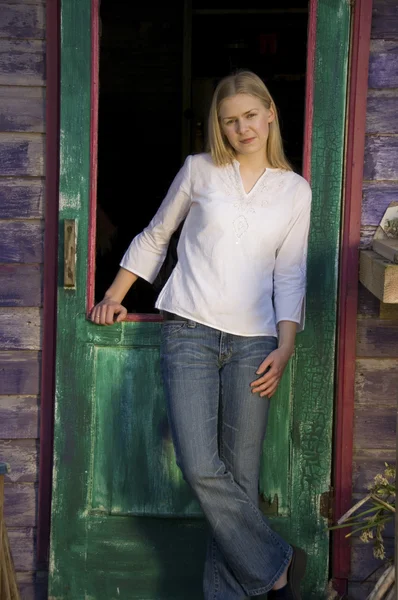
(379, 275)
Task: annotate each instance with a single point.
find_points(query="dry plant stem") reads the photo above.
(385, 504)
(353, 509)
(391, 594)
(383, 584)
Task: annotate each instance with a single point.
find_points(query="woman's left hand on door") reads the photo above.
(271, 371)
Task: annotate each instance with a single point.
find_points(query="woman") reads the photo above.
(232, 307)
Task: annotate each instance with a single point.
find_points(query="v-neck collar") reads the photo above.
(236, 167)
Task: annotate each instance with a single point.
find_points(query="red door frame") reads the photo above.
(348, 292)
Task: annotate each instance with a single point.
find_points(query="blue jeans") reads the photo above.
(218, 428)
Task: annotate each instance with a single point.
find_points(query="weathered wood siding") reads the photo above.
(22, 159)
(377, 340)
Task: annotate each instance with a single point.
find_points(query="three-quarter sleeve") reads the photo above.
(291, 262)
(147, 251)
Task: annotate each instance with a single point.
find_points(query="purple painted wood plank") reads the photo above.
(377, 338)
(33, 586)
(20, 328)
(375, 427)
(385, 19)
(376, 199)
(368, 304)
(22, 154)
(19, 374)
(381, 111)
(22, 21)
(22, 62)
(19, 417)
(366, 465)
(376, 381)
(22, 109)
(383, 60)
(381, 157)
(21, 198)
(21, 242)
(364, 563)
(22, 548)
(367, 234)
(20, 504)
(20, 285)
(23, 457)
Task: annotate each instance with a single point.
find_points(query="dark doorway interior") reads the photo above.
(159, 64)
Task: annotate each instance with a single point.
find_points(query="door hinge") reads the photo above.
(326, 505)
(268, 506)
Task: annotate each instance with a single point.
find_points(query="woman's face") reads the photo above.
(245, 123)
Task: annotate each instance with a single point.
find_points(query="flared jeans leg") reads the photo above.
(218, 427)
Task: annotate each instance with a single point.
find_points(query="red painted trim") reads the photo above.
(309, 94)
(49, 281)
(95, 19)
(348, 292)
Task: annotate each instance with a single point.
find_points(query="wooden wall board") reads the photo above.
(375, 426)
(22, 109)
(22, 62)
(358, 590)
(19, 372)
(382, 114)
(22, 21)
(19, 417)
(22, 543)
(383, 72)
(363, 561)
(377, 196)
(23, 457)
(21, 241)
(376, 381)
(20, 504)
(21, 198)
(32, 585)
(385, 19)
(21, 285)
(20, 328)
(368, 462)
(368, 304)
(377, 339)
(381, 157)
(21, 154)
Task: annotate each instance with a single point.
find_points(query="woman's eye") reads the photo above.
(230, 122)
(251, 115)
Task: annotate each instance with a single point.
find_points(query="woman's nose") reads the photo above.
(241, 125)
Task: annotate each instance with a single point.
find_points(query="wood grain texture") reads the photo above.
(22, 154)
(20, 328)
(21, 285)
(22, 109)
(368, 304)
(367, 464)
(379, 275)
(375, 426)
(21, 198)
(21, 241)
(381, 157)
(22, 548)
(19, 373)
(22, 62)
(382, 114)
(385, 19)
(376, 199)
(20, 504)
(32, 586)
(23, 456)
(383, 72)
(19, 417)
(376, 381)
(377, 339)
(364, 563)
(22, 21)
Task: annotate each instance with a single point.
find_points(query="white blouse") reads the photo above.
(241, 256)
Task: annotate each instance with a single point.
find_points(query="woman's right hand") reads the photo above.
(105, 311)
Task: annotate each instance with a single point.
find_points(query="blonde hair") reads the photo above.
(243, 82)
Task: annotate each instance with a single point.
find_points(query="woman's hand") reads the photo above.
(104, 312)
(276, 361)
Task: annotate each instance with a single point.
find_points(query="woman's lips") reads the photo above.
(247, 141)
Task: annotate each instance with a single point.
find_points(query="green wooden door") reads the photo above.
(124, 524)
